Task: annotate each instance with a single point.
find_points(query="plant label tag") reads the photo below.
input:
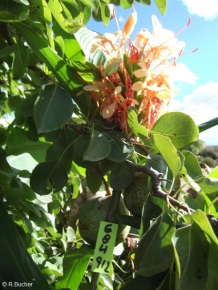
(104, 248)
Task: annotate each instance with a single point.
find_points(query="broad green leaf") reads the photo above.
(156, 247)
(121, 147)
(126, 3)
(112, 67)
(75, 264)
(105, 13)
(207, 125)
(20, 60)
(65, 74)
(99, 147)
(44, 13)
(169, 152)
(208, 184)
(202, 221)
(162, 5)
(70, 46)
(94, 179)
(121, 176)
(153, 208)
(22, 162)
(21, 192)
(214, 173)
(191, 171)
(53, 109)
(142, 283)
(13, 11)
(19, 266)
(19, 143)
(192, 248)
(63, 16)
(79, 147)
(47, 175)
(7, 50)
(192, 165)
(137, 129)
(146, 2)
(87, 71)
(61, 151)
(179, 127)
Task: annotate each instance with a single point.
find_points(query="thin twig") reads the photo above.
(156, 178)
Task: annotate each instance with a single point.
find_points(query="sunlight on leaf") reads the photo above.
(169, 152)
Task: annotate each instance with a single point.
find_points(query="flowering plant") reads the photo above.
(137, 73)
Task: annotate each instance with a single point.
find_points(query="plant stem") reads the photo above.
(156, 185)
(94, 281)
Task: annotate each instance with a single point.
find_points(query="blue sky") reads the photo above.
(196, 75)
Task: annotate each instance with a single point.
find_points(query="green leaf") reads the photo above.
(121, 147)
(99, 147)
(53, 109)
(20, 60)
(152, 210)
(121, 176)
(105, 13)
(20, 267)
(137, 129)
(23, 192)
(162, 5)
(207, 125)
(65, 74)
(208, 184)
(74, 264)
(191, 170)
(169, 152)
(46, 175)
(94, 179)
(179, 127)
(142, 283)
(87, 71)
(63, 16)
(192, 165)
(112, 67)
(156, 247)
(19, 143)
(145, 2)
(12, 11)
(7, 50)
(125, 4)
(79, 147)
(22, 162)
(192, 249)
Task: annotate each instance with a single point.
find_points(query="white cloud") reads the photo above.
(202, 106)
(181, 73)
(207, 9)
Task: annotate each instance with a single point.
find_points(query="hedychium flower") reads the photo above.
(139, 74)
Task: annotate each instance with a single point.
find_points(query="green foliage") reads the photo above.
(57, 151)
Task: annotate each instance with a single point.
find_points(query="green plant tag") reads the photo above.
(103, 254)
